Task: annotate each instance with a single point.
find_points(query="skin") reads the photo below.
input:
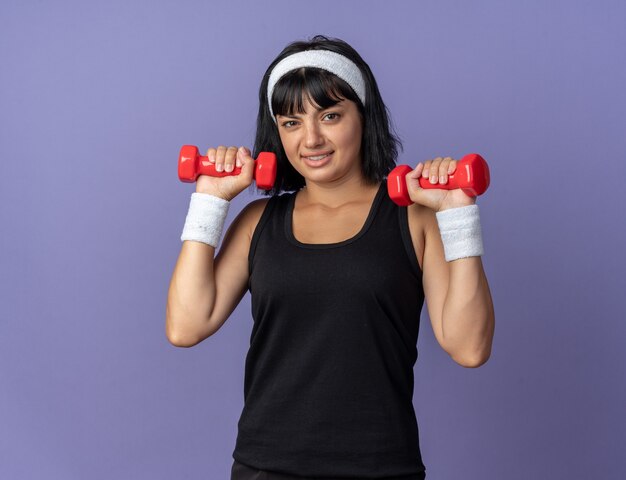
(337, 196)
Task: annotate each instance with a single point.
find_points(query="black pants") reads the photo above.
(240, 471)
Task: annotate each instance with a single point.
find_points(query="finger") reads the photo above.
(240, 152)
(416, 173)
(418, 170)
(443, 170)
(244, 152)
(248, 163)
(412, 179)
(219, 159)
(243, 156)
(211, 154)
(229, 159)
(452, 167)
(434, 170)
(426, 170)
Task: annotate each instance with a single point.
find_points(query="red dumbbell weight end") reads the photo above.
(191, 164)
(471, 175)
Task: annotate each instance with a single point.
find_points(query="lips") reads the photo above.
(317, 163)
(317, 154)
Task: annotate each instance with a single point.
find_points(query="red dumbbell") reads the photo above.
(191, 164)
(471, 175)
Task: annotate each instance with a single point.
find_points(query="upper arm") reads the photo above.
(435, 269)
(231, 264)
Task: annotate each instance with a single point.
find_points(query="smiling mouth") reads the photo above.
(317, 157)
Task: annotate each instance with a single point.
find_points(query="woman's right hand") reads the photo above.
(226, 159)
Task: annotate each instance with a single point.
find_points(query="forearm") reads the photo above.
(191, 293)
(468, 318)
(192, 290)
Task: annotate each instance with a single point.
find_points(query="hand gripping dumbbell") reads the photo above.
(471, 175)
(191, 164)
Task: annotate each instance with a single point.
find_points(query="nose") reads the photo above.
(313, 135)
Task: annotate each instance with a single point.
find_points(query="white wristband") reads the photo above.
(205, 219)
(461, 232)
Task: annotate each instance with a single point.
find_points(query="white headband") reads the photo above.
(333, 62)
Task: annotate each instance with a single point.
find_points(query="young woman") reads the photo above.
(338, 274)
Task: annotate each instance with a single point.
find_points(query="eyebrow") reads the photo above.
(337, 105)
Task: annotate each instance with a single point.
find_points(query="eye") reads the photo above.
(336, 115)
(286, 124)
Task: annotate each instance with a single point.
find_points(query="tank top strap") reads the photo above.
(391, 218)
(270, 206)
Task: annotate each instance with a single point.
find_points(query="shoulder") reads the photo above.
(240, 230)
(251, 214)
(256, 206)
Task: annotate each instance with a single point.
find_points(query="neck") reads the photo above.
(338, 192)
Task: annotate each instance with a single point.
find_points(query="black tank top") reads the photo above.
(328, 380)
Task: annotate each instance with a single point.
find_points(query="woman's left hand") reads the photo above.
(437, 199)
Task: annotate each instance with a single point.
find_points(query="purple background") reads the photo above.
(96, 99)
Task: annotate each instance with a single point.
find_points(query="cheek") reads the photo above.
(284, 140)
(351, 138)
(291, 149)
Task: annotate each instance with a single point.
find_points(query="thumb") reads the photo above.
(413, 179)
